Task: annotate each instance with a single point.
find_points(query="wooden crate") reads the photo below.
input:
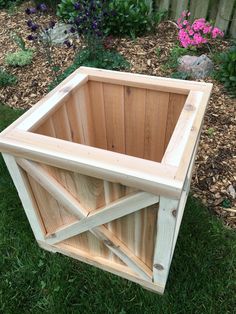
(103, 164)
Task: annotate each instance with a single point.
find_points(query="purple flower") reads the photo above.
(42, 7)
(51, 24)
(34, 27)
(29, 23)
(30, 11)
(77, 6)
(67, 43)
(72, 30)
(31, 37)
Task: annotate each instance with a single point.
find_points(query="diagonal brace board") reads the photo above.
(66, 199)
(117, 209)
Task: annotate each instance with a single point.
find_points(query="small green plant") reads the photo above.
(19, 58)
(7, 79)
(227, 70)
(210, 131)
(19, 41)
(175, 53)
(131, 17)
(180, 75)
(104, 59)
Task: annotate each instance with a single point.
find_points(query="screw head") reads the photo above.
(158, 266)
(174, 212)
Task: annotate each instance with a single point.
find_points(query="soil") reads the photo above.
(214, 177)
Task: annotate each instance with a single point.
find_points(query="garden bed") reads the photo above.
(215, 163)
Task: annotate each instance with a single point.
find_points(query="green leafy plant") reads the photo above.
(180, 75)
(19, 41)
(227, 70)
(6, 78)
(66, 10)
(131, 17)
(175, 53)
(104, 59)
(210, 131)
(19, 58)
(6, 4)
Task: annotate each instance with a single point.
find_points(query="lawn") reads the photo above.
(202, 277)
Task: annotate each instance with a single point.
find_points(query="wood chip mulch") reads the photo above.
(214, 177)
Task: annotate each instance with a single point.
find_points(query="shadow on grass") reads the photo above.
(202, 277)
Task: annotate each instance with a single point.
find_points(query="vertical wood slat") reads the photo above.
(176, 103)
(166, 222)
(213, 9)
(232, 30)
(177, 7)
(46, 128)
(163, 5)
(80, 98)
(114, 113)
(61, 124)
(224, 14)
(199, 9)
(135, 99)
(25, 193)
(155, 121)
(98, 114)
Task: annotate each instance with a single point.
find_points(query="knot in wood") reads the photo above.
(189, 107)
(158, 266)
(108, 243)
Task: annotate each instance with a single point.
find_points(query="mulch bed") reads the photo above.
(214, 178)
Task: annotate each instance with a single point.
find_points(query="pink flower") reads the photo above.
(216, 32)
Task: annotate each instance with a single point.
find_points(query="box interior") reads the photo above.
(135, 121)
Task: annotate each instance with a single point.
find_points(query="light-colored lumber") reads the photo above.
(80, 98)
(143, 81)
(25, 194)
(53, 187)
(135, 100)
(120, 270)
(52, 102)
(102, 233)
(164, 240)
(224, 14)
(114, 210)
(193, 138)
(134, 172)
(98, 114)
(46, 128)
(175, 106)
(114, 115)
(61, 124)
(178, 142)
(155, 124)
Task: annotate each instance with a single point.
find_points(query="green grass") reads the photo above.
(202, 277)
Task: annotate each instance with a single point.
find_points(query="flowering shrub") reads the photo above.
(87, 17)
(40, 34)
(197, 33)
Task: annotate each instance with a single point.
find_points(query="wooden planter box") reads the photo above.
(103, 165)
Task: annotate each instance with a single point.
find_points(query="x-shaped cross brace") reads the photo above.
(93, 221)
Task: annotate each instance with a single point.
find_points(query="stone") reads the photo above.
(59, 33)
(196, 67)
